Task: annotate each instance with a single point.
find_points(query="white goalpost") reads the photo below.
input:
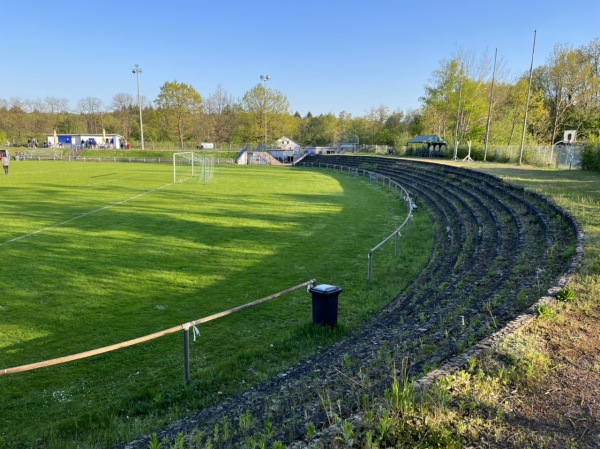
(188, 166)
(183, 166)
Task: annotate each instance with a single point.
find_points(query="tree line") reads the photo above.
(468, 98)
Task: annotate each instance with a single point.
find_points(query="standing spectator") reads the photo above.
(5, 162)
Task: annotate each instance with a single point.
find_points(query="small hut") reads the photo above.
(429, 145)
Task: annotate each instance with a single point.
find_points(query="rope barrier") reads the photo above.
(185, 327)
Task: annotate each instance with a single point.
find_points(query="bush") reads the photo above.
(590, 158)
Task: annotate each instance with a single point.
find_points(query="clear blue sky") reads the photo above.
(325, 55)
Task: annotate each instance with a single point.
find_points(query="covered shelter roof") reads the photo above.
(428, 138)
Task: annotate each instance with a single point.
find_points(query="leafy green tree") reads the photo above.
(264, 111)
(376, 117)
(344, 121)
(321, 130)
(395, 122)
(585, 116)
(513, 111)
(441, 99)
(178, 103)
(565, 82)
(155, 126)
(284, 125)
(414, 123)
(361, 127)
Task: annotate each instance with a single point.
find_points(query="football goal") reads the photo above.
(189, 166)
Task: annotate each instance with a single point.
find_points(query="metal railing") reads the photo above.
(373, 176)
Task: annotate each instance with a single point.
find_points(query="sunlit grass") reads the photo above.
(98, 253)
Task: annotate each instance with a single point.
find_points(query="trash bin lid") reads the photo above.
(324, 288)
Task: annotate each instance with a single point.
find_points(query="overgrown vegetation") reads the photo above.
(590, 158)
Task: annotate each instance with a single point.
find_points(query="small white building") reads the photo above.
(285, 143)
(286, 150)
(99, 141)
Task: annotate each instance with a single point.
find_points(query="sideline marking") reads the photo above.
(82, 215)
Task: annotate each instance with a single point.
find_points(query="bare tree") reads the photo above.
(36, 105)
(91, 108)
(56, 105)
(122, 101)
(124, 108)
(219, 116)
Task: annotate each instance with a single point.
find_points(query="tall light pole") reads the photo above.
(264, 79)
(137, 70)
(527, 101)
(489, 117)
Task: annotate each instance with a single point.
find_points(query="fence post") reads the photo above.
(186, 354)
(370, 256)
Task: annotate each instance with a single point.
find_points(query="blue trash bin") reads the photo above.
(325, 304)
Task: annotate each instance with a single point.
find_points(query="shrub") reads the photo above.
(566, 294)
(590, 158)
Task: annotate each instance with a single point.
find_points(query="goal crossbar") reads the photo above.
(189, 165)
(187, 157)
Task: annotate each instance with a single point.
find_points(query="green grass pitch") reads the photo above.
(97, 253)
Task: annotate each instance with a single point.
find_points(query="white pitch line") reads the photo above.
(82, 215)
(104, 181)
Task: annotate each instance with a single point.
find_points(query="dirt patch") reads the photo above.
(566, 405)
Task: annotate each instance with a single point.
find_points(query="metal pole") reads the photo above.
(137, 70)
(264, 79)
(552, 151)
(370, 257)
(527, 101)
(460, 81)
(489, 118)
(186, 354)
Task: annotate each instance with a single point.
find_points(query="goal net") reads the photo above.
(188, 166)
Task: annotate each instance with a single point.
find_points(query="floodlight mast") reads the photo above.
(264, 79)
(137, 70)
